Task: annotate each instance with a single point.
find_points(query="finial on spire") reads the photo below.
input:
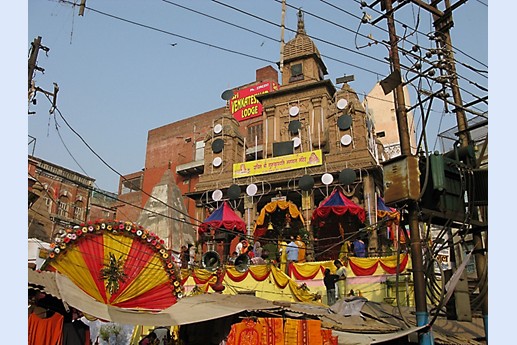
(301, 25)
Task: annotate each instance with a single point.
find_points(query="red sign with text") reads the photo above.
(244, 105)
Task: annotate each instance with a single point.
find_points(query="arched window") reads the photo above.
(63, 204)
(79, 210)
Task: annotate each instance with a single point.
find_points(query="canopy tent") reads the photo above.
(117, 263)
(337, 203)
(260, 225)
(385, 211)
(223, 217)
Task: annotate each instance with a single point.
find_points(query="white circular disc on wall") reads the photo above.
(341, 104)
(251, 190)
(346, 140)
(218, 128)
(297, 141)
(327, 178)
(294, 110)
(217, 195)
(217, 161)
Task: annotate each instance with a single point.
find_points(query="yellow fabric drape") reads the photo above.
(364, 262)
(281, 279)
(78, 273)
(259, 270)
(300, 293)
(283, 205)
(308, 269)
(391, 261)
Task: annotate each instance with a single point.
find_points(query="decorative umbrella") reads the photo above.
(385, 211)
(338, 204)
(223, 217)
(117, 263)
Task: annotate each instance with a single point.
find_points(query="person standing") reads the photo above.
(291, 252)
(359, 248)
(301, 248)
(240, 246)
(341, 281)
(330, 284)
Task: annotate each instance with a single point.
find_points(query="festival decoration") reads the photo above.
(118, 263)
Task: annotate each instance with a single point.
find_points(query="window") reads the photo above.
(381, 134)
(62, 205)
(255, 135)
(79, 210)
(200, 150)
(132, 185)
(296, 72)
(48, 204)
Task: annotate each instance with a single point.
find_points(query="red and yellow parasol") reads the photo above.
(117, 263)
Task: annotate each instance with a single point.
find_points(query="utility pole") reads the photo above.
(33, 58)
(422, 316)
(443, 25)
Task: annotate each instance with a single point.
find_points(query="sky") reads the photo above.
(125, 68)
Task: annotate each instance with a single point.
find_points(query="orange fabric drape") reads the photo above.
(264, 331)
(302, 332)
(45, 331)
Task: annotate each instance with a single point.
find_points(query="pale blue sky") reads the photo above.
(119, 76)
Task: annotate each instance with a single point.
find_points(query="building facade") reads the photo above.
(291, 143)
(60, 199)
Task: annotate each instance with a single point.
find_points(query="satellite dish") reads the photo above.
(327, 179)
(347, 176)
(217, 195)
(217, 145)
(297, 141)
(234, 192)
(344, 122)
(294, 126)
(306, 182)
(341, 104)
(251, 190)
(294, 110)
(217, 161)
(218, 128)
(227, 95)
(346, 140)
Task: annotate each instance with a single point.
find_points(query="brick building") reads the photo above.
(311, 138)
(60, 198)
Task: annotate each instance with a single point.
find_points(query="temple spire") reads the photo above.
(301, 24)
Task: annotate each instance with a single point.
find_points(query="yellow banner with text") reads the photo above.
(276, 164)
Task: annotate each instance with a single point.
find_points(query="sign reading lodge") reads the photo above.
(244, 105)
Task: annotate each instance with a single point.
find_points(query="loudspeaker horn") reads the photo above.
(211, 261)
(242, 263)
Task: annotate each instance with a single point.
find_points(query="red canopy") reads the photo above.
(223, 217)
(338, 204)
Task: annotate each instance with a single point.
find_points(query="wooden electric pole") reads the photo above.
(422, 316)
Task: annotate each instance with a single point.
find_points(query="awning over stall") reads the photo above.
(223, 217)
(337, 203)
